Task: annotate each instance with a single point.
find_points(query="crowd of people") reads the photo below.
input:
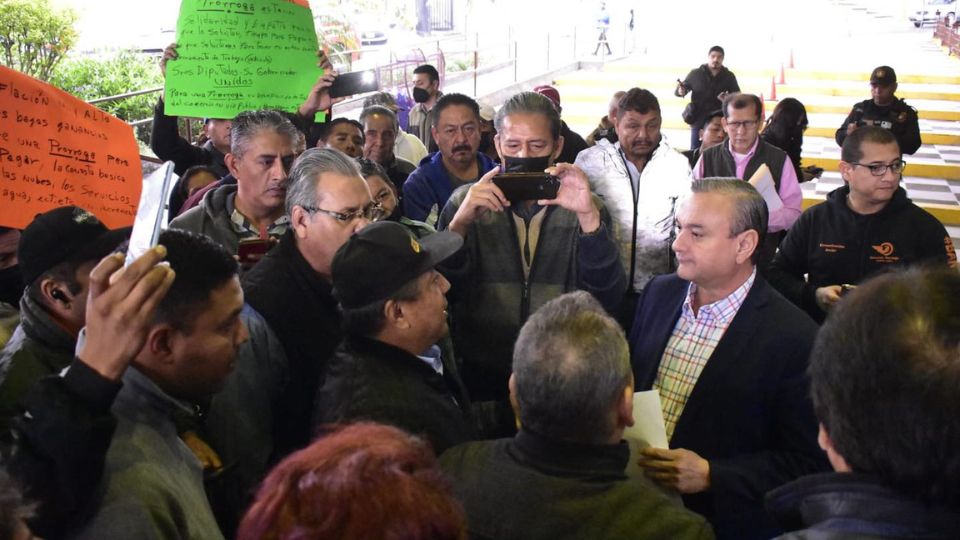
(350, 330)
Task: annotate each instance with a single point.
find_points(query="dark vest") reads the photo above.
(718, 161)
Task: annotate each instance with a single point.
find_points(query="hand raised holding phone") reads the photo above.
(482, 197)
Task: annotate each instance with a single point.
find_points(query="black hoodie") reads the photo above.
(834, 245)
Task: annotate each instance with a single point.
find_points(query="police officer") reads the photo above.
(886, 111)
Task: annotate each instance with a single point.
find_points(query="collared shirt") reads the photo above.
(419, 122)
(691, 344)
(245, 229)
(432, 357)
(782, 218)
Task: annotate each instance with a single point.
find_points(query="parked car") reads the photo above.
(933, 11)
(372, 31)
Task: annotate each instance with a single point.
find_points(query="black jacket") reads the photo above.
(898, 117)
(749, 413)
(573, 144)
(60, 446)
(833, 245)
(835, 506)
(168, 145)
(299, 306)
(705, 88)
(368, 379)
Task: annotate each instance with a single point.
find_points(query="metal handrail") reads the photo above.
(124, 96)
(474, 71)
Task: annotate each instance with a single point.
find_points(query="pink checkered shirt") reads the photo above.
(693, 340)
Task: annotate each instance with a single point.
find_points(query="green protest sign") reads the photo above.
(241, 55)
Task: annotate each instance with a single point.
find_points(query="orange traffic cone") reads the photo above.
(773, 88)
(782, 75)
(791, 58)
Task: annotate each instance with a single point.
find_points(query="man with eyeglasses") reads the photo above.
(327, 201)
(263, 145)
(885, 110)
(866, 227)
(743, 154)
(456, 130)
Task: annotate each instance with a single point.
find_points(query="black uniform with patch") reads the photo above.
(898, 117)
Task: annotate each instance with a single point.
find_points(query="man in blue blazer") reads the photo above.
(728, 356)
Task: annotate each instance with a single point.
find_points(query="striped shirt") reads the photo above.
(693, 340)
(245, 229)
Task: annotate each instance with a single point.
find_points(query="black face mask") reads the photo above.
(11, 286)
(420, 95)
(528, 164)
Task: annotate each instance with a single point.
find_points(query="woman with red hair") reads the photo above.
(362, 481)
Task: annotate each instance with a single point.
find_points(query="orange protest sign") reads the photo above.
(56, 150)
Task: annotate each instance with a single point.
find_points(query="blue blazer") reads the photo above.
(750, 413)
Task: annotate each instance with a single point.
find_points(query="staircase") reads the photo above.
(932, 176)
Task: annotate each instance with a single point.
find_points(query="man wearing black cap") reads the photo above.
(884, 110)
(56, 253)
(389, 367)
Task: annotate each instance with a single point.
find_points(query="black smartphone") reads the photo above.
(527, 186)
(357, 82)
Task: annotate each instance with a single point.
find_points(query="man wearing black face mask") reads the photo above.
(457, 132)
(426, 92)
(516, 257)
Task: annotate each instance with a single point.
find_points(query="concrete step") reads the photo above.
(921, 170)
(584, 113)
(934, 180)
(790, 74)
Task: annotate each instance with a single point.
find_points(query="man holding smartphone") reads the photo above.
(516, 257)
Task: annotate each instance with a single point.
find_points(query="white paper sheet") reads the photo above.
(647, 429)
(763, 181)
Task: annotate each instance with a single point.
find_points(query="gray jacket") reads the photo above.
(212, 217)
(152, 485)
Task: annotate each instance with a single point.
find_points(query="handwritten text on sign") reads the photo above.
(236, 56)
(56, 150)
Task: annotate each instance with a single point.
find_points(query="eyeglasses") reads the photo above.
(746, 124)
(372, 212)
(880, 169)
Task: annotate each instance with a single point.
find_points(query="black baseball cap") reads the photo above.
(383, 257)
(62, 234)
(883, 76)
